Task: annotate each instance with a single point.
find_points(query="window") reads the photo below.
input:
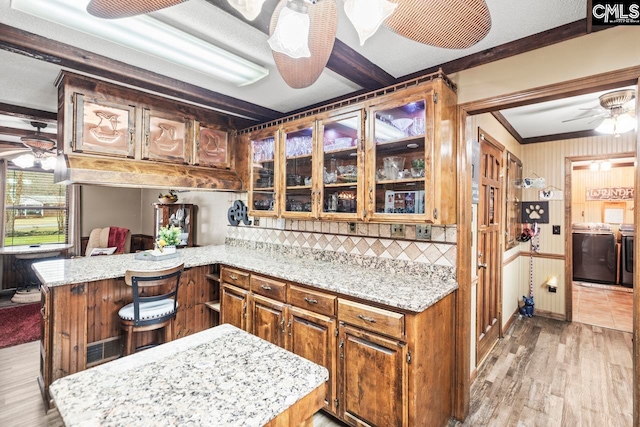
(36, 209)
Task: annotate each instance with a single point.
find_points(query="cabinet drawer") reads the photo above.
(371, 318)
(268, 288)
(235, 277)
(313, 301)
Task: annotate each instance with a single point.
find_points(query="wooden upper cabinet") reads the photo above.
(167, 137)
(340, 166)
(298, 197)
(264, 172)
(211, 146)
(103, 127)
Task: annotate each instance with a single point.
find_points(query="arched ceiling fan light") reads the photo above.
(24, 161)
(291, 35)
(250, 9)
(367, 15)
(115, 9)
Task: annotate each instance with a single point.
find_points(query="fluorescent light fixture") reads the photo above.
(616, 125)
(291, 35)
(250, 9)
(367, 15)
(148, 35)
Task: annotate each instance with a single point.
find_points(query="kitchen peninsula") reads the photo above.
(357, 315)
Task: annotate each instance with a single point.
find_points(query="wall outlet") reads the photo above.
(423, 232)
(552, 289)
(352, 227)
(280, 223)
(556, 229)
(397, 231)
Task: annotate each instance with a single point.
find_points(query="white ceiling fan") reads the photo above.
(616, 112)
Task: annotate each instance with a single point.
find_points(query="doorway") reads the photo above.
(600, 212)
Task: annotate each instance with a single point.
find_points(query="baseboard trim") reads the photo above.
(512, 319)
(549, 314)
(473, 375)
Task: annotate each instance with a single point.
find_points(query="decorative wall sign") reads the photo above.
(613, 193)
(238, 212)
(535, 212)
(550, 195)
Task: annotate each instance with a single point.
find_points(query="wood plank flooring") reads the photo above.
(544, 372)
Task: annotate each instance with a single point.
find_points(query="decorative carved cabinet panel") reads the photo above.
(167, 137)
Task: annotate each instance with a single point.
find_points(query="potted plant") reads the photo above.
(168, 238)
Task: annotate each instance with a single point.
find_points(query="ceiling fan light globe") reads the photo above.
(49, 163)
(250, 9)
(291, 36)
(367, 15)
(24, 161)
(625, 123)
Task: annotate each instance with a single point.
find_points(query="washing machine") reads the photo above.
(626, 254)
(594, 253)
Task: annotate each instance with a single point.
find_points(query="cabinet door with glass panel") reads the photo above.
(399, 158)
(263, 200)
(340, 166)
(298, 195)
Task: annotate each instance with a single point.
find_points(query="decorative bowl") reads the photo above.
(167, 200)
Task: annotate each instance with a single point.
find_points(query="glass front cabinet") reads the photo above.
(390, 159)
(340, 167)
(263, 152)
(411, 156)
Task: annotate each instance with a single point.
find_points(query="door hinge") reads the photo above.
(435, 214)
(337, 402)
(409, 356)
(435, 97)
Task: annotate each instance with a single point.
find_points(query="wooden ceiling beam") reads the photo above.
(343, 60)
(28, 113)
(38, 47)
(5, 130)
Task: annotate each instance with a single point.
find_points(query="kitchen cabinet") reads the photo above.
(373, 373)
(181, 215)
(263, 173)
(340, 166)
(298, 195)
(387, 367)
(234, 304)
(390, 158)
(167, 137)
(211, 146)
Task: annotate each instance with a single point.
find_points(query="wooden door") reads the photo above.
(312, 336)
(233, 306)
(373, 385)
(269, 319)
(488, 320)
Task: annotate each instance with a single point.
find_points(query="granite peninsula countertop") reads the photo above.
(222, 376)
(404, 291)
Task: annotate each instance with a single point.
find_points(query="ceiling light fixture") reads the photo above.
(291, 35)
(617, 124)
(367, 15)
(151, 36)
(619, 115)
(250, 9)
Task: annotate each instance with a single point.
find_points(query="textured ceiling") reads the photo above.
(30, 83)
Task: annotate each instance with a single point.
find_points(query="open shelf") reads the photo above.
(213, 276)
(341, 184)
(213, 305)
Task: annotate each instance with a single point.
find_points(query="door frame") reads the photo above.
(604, 81)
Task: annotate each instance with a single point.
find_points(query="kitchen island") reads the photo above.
(219, 377)
(367, 326)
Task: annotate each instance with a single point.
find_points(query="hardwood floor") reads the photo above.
(551, 373)
(544, 372)
(607, 306)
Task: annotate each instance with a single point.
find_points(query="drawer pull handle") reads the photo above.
(266, 287)
(233, 277)
(366, 318)
(311, 301)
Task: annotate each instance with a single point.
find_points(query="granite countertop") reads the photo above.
(404, 291)
(35, 249)
(222, 376)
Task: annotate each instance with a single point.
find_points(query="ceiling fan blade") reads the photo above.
(11, 149)
(115, 9)
(584, 117)
(451, 24)
(299, 73)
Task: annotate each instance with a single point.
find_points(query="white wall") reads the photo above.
(109, 206)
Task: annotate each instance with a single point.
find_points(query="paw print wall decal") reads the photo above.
(535, 212)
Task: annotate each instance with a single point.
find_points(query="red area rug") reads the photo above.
(19, 324)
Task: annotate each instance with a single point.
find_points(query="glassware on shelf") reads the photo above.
(403, 124)
(417, 127)
(392, 166)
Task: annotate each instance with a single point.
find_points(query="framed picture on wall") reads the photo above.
(103, 127)
(165, 137)
(211, 146)
(613, 212)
